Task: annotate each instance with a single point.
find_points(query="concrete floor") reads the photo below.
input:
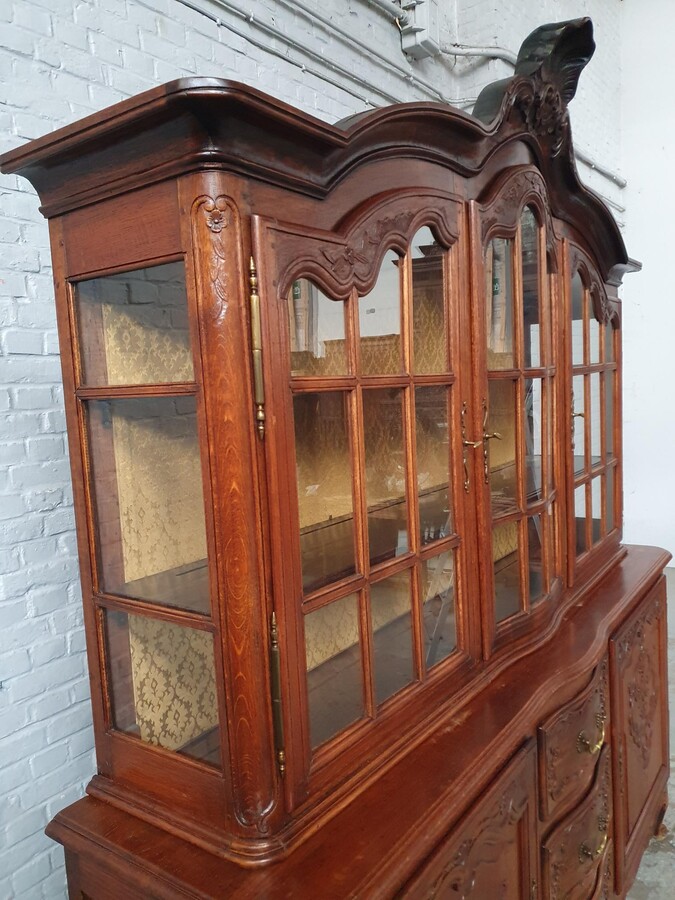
(656, 877)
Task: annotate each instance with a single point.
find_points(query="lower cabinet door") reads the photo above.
(492, 853)
(577, 852)
(638, 678)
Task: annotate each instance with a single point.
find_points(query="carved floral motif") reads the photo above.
(355, 259)
(642, 705)
(217, 214)
(543, 110)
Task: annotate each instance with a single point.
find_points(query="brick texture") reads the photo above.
(61, 60)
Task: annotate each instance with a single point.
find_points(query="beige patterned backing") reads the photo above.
(174, 681)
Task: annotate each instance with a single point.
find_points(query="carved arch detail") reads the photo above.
(503, 202)
(350, 256)
(604, 310)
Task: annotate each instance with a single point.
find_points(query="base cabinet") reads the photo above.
(640, 711)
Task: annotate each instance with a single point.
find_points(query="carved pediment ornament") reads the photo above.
(543, 110)
(355, 260)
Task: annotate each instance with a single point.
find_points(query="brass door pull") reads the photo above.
(583, 743)
(466, 444)
(473, 444)
(585, 851)
(488, 436)
(578, 415)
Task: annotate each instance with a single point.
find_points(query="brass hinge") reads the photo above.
(256, 346)
(275, 684)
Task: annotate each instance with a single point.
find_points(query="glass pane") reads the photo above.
(316, 327)
(499, 304)
(609, 412)
(163, 684)
(438, 607)
(535, 540)
(429, 333)
(579, 419)
(609, 499)
(580, 518)
(593, 336)
(392, 635)
(433, 472)
(147, 483)
(134, 327)
(609, 343)
(380, 321)
(506, 556)
(502, 450)
(534, 429)
(596, 419)
(385, 473)
(577, 320)
(596, 506)
(532, 320)
(324, 478)
(334, 673)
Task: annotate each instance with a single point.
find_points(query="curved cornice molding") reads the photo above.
(209, 123)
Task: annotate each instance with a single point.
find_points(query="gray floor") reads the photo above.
(656, 876)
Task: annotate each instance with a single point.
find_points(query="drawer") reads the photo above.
(569, 744)
(576, 856)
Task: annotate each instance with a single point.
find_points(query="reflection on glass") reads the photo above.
(534, 440)
(596, 507)
(499, 304)
(535, 558)
(163, 685)
(147, 485)
(596, 419)
(593, 337)
(611, 524)
(433, 475)
(334, 679)
(385, 473)
(502, 450)
(133, 327)
(392, 635)
(580, 518)
(324, 478)
(316, 328)
(438, 607)
(430, 353)
(577, 320)
(380, 321)
(579, 419)
(609, 412)
(506, 557)
(532, 321)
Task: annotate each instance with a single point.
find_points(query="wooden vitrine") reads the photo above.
(344, 415)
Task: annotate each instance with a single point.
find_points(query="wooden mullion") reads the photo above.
(121, 392)
(148, 263)
(589, 514)
(524, 564)
(386, 381)
(332, 592)
(391, 567)
(367, 652)
(441, 546)
(149, 610)
(313, 385)
(433, 380)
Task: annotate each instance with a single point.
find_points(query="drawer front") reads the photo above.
(575, 854)
(569, 744)
(491, 853)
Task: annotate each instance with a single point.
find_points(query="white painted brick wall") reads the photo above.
(59, 61)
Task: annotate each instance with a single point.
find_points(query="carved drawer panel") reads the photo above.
(575, 854)
(491, 853)
(570, 742)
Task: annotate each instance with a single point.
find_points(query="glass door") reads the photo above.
(377, 525)
(516, 403)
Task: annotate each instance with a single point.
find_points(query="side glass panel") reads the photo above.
(433, 462)
(316, 327)
(596, 420)
(499, 316)
(506, 555)
(385, 474)
(578, 318)
(325, 479)
(430, 352)
(392, 635)
(380, 321)
(502, 450)
(580, 518)
(162, 684)
(535, 540)
(533, 424)
(579, 419)
(147, 485)
(334, 679)
(134, 327)
(532, 314)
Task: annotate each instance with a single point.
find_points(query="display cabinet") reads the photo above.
(344, 417)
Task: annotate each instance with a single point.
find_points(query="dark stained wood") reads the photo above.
(437, 786)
